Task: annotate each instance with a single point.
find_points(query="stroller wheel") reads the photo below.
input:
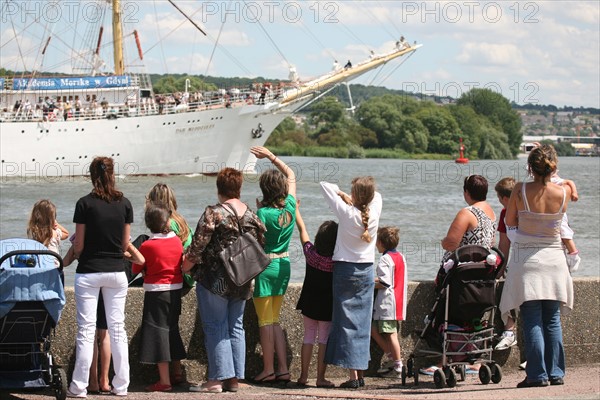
(462, 372)
(485, 374)
(403, 375)
(496, 373)
(439, 378)
(59, 383)
(410, 367)
(416, 376)
(450, 377)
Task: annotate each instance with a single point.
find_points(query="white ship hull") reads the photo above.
(180, 143)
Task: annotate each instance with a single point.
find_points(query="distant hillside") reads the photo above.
(361, 93)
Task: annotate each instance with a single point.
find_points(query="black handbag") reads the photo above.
(245, 258)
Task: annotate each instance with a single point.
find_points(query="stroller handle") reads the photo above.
(36, 252)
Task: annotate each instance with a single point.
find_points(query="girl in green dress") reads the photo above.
(277, 211)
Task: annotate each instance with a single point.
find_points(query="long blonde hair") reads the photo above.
(363, 192)
(41, 222)
(162, 195)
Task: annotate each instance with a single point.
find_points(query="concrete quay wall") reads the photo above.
(581, 330)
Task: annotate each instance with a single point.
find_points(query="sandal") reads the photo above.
(158, 387)
(265, 380)
(429, 370)
(472, 370)
(278, 377)
(328, 385)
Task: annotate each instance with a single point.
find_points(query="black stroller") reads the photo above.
(460, 325)
(32, 298)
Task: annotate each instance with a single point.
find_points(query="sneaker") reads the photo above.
(77, 396)
(394, 373)
(526, 384)
(350, 384)
(120, 394)
(509, 339)
(523, 365)
(557, 381)
(387, 364)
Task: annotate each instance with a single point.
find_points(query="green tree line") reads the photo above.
(399, 124)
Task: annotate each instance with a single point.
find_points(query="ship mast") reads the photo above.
(117, 38)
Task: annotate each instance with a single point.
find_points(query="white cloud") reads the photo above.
(558, 52)
(490, 54)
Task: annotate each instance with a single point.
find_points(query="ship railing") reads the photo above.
(159, 105)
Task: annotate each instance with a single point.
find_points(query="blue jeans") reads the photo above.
(543, 340)
(349, 342)
(224, 338)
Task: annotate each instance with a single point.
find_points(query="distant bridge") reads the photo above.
(584, 146)
(556, 139)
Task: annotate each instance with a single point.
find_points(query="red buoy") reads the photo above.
(461, 159)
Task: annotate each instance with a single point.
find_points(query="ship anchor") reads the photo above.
(256, 133)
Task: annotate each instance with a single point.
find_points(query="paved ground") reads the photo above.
(581, 383)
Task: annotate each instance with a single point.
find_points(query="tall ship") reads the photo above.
(53, 126)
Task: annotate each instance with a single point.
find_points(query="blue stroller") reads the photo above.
(32, 298)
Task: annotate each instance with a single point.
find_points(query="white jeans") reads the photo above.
(114, 292)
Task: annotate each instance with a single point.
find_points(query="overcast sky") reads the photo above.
(544, 52)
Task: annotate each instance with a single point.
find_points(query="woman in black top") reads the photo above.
(102, 229)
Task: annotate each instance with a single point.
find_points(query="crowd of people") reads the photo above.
(346, 300)
(64, 108)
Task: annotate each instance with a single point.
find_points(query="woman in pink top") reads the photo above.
(538, 282)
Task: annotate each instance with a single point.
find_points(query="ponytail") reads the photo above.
(364, 213)
(363, 191)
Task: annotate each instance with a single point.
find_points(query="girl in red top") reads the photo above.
(160, 341)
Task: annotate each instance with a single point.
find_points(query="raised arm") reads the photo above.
(262, 152)
(301, 227)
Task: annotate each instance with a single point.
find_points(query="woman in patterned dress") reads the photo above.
(474, 224)
(220, 302)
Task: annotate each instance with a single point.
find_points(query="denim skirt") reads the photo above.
(349, 340)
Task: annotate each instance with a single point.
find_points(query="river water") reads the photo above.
(421, 197)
